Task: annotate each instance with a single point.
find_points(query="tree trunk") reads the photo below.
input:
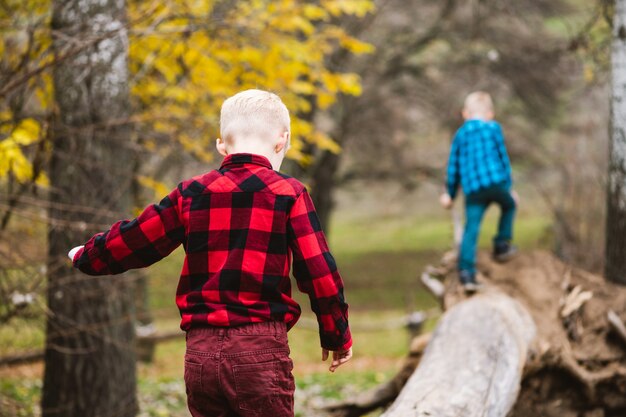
(144, 321)
(323, 186)
(473, 363)
(324, 171)
(90, 361)
(615, 261)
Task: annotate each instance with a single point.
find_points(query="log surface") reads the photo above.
(473, 364)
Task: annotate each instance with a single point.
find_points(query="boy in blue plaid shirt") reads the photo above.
(480, 165)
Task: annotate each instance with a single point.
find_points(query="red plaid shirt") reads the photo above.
(240, 227)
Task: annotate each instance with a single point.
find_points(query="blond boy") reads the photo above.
(479, 163)
(242, 226)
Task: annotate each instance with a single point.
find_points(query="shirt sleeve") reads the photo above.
(136, 243)
(453, 177)
(316, 274)
(504, 156)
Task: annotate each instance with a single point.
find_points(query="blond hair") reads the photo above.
(253, 113)
(478, 102)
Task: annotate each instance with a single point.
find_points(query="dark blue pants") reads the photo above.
(475, 206)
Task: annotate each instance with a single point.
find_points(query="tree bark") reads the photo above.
(324, 171)
(323, 181)
(90, 360)
(473, 363)
(615, 261)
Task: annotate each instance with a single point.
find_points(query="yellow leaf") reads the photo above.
(350, 84)
(26, 132)
(325, 100)
(358, 8)
(159, 188)
(323, 141)
(314, 12)
(302, 87)
(356, 46)
(13, 161)
(331, 82)
(42, 180)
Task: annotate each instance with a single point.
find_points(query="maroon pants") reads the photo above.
(239, 371)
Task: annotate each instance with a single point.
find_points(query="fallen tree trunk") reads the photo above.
(473, 363)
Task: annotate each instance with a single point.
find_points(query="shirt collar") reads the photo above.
(245, 158)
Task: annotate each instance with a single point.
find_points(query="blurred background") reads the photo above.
(105, 105)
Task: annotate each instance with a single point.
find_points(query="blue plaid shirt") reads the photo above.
(478, 158)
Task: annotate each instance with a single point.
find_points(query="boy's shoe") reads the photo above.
(471, 287)
(504, 251)
(468, 281)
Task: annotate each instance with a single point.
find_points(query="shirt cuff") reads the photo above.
(335, 347)
(347, 345)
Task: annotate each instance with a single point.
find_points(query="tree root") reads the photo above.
(617, 325)
(590, 380)
(594, 384)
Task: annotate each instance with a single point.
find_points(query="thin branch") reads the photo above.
(397, 63)
(16, 82)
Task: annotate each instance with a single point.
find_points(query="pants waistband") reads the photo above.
(263, 328)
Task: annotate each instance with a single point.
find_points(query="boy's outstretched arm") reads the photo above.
(453, 174)
(136, 243)
(316, 273)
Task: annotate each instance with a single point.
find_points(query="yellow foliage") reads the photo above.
(187, 56)
(12, 158)
(325, 100)
(275, 45)
(325, 142)
(19, 45)
(315, 12)
(26, 133)
(350, 7)
(302, 87)
(159, 188)
(356, 46)
(350, 84)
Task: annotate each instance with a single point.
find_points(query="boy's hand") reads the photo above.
(445, 200)
(339, 357)
(72, 253)
(515, 196)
